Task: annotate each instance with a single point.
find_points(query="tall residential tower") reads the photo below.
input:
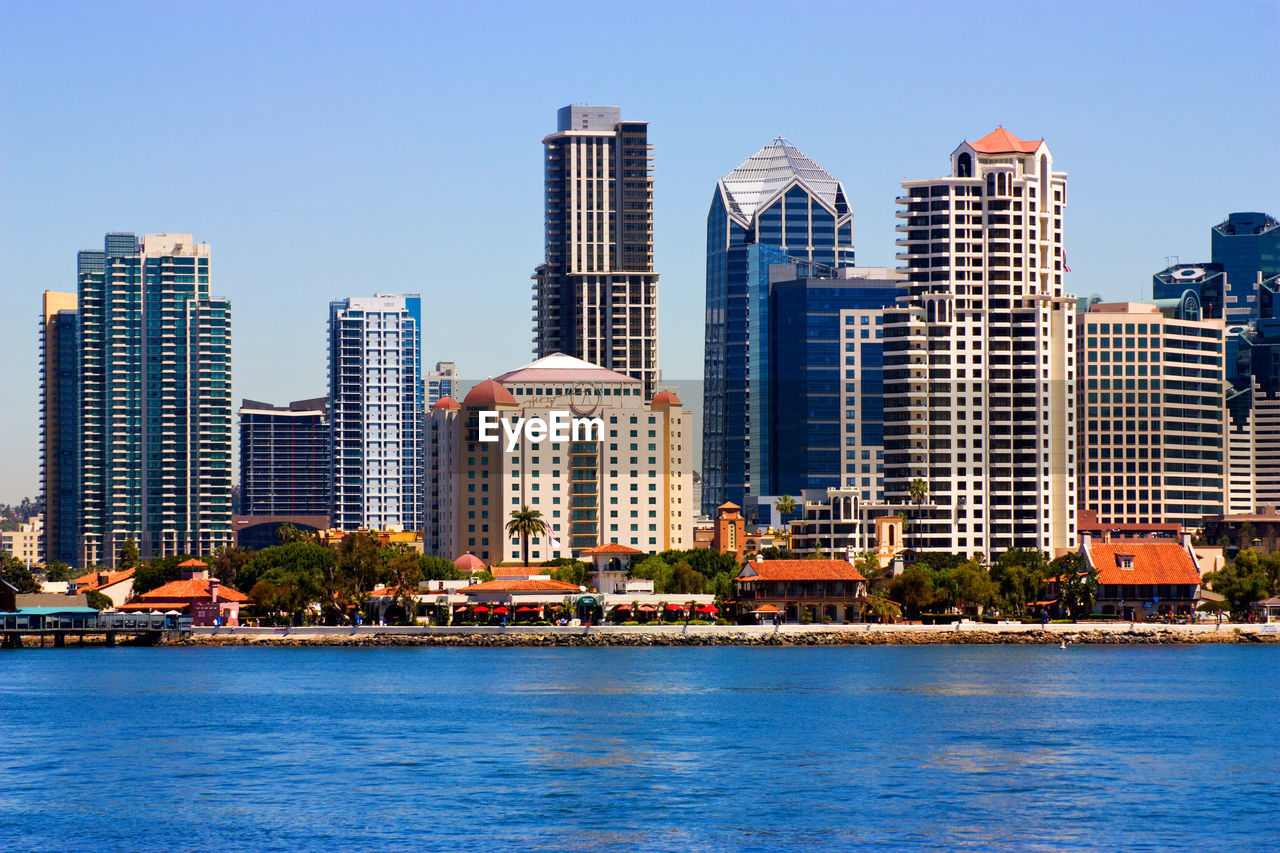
(596, 294)
(155, 410)
(375, 412)
(59, 426)
(979, 360)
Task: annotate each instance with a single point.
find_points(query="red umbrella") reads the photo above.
(648, 608)
(623, 607)
(480, 608)
(524, 608)
(675, 607)
(458, 607)
(707, 608)
(501, 611)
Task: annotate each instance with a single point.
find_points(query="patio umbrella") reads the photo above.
(707, 608)
(457, 608)
(480, 608)
(622, 607)
(648, 608)
(524, 608)
(501, 611)
(675, 607)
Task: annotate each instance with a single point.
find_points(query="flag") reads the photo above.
(1065, 268)
(555, 543)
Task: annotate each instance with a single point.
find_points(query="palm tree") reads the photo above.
(526, 522)
(785, 505)
(918, 490)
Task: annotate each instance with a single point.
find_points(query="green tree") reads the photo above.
(685, 580)
(158, 572)
(1077, 585)
(882, 609)
(438, 569)
(785, 505)
(357, 569)
(569, 570)
(17, 574)
(228, 562)
(98, 601)
(299, 570)
(1243, 581)
(868, 562)
(819, 553)
(912, 589)
(129, 556)
(775, 553)
(526, 522)
(655, 569)
(918, 490)
(406, 572)
(58, 571)
(1019, 577)
(287, 533)
(974, 587)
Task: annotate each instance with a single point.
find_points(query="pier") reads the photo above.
(142, 627)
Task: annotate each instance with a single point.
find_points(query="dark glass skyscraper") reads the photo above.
(155, 411)
(778, 198)
(60, 426)
(284, 458)
(1247, 246)
(596, 294)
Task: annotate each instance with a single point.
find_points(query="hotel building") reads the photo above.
(631, 485)
(1151, 413)
(284, 458)
(60, 426)
(776, 198)
(375, 400)
(441, 382)
(596, 294)
(155, 411)
(979, 358)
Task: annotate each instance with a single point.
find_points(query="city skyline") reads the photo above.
(280, 117)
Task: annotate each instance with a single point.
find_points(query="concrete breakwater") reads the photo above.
(787, 635)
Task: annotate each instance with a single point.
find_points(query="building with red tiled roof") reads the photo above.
(1141, 579)
(117, 586)
(1001, 141)
(199, 596)
(804, 590)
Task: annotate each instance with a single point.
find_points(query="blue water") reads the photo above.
(955, 748)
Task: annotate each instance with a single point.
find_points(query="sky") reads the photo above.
(332, 149)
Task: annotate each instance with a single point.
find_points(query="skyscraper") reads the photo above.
(441, 382)
(776, 197)
(59, 426)
(1150, 413)
(284, 458)
(375, 400)
(980, 361)
(1247, 247)
(155, 414)
(596, 294)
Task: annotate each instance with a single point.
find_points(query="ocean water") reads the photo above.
(937, 747)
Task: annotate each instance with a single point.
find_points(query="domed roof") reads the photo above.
(446, 403)
(665, 398)
(469, 562)
(489, 393)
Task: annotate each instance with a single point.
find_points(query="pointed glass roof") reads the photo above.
(762, 175)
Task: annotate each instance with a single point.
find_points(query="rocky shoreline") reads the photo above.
(729, 637)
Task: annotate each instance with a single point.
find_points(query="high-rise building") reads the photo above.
(375, 412)
(155, 386)
(980, 361)
(284, 458)
(596, 294)
(60, 426)
(778, 198)
(815, 418)
(629, 484)
(1150, 413)
(441, 382)
(1247, 247)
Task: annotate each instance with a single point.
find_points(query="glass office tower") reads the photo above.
(60, 426)
(155, 413)
(777, 198)
(375, 412)
(284, 458)
(1247, 247)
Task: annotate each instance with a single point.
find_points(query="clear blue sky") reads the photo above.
(335, 149)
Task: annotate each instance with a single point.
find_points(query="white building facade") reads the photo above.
(979, 360)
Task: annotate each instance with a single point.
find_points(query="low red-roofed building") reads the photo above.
(199, 596)
(1137, 580)
(814, 590)
(610, 564)
(117, 586)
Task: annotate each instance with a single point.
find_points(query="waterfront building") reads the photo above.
(804, 590)
(596, 294)
(117, 586)
(59, 426)
(630, 485)
(729, 534)
(979, 358)
(1141, 579)
(777, 198)
(441, 382)
(1150, 410)
(198, 595)
(375, 412)
(155, 400)
(284, 458)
